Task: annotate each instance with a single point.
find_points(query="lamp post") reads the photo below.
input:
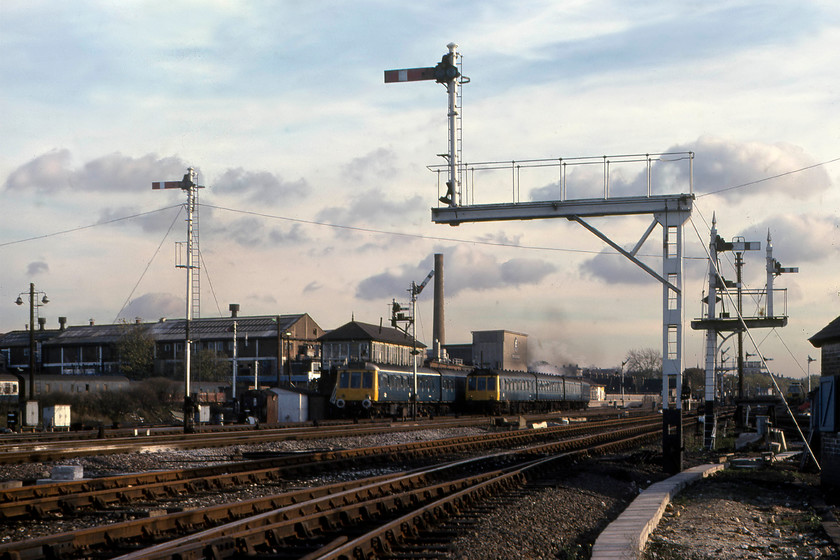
(33, 304)
(810, 359)
(287, 350)
(622, 382)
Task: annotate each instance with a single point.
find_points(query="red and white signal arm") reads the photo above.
(167, 185)
(409, 75)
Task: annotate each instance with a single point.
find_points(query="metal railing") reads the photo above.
(573, 178)
(754, 304)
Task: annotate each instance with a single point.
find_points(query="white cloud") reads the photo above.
(282, 109)
(153, 306)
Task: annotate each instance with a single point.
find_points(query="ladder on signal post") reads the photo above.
(195, 261)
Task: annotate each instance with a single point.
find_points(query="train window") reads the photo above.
(367, 380)
(471, 384)
(344, 380)
(491, 383)
(482, 383)
(355, 379)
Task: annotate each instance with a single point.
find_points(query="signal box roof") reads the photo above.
(355, 330)
(830, 333)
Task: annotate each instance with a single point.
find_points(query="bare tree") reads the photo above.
(135, 349)
(644, 361)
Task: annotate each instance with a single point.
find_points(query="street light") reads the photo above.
(622, 382)
(810, 359)
(287, 336)
(33, 304)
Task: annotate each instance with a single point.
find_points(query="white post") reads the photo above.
(233, 386)
(771, 270)
(190, 188)
(711, 344)
(452, 87)
(414, 346)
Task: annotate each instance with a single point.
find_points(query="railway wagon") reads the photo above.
(505, 392)
(373, 390)
(9, 388)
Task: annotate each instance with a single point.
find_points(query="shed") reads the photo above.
(287, 405)
(827, 411)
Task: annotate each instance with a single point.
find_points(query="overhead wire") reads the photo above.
(765, 179)
(149, 264)
(418, 235)
(80, 228)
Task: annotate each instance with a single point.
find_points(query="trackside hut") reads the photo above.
(287, 405)
(826, 414)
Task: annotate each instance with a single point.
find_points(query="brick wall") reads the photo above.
(830, 459)
(830, 363)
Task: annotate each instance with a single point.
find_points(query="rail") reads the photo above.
(320, 508)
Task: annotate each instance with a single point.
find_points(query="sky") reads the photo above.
(317, 190)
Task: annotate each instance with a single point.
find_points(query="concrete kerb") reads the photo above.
(625, 538)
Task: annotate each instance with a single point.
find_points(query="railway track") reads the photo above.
(351, 519)
(36, 447)
(68, 497)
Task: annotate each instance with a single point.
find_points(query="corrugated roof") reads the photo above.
(221, 327)
(355, 330)
(21, 338)
(829, 333)
(92, 333)
(173, 329)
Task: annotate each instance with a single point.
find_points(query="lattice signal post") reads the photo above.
(402, 318)
(188, 185)
(669, 211)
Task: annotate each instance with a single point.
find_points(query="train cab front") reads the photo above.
(482, 394)
(356, 391)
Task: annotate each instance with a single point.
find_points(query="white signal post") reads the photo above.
(447, 73)
(188, 185)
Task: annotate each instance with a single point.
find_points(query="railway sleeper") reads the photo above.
(37, 511)
(306, 529)
(380, 546)
(70, 506)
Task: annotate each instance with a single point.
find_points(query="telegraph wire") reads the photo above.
(81, 228)
(149, 264)
(410, 235)
(414, 235)
(741, 186)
